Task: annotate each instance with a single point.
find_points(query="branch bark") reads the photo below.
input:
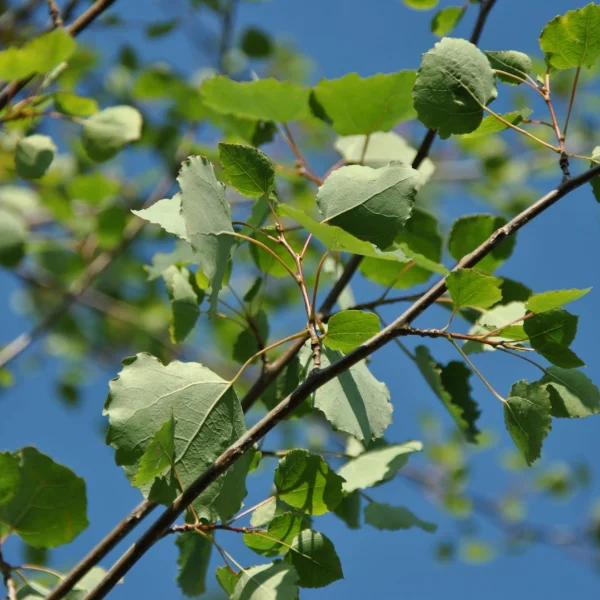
(316, 379)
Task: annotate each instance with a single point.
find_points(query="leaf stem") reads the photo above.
(521, 80)
(571, 101)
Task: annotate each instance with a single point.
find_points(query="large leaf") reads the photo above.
(305, 481)
(354, 402)
(572, 40)
(469, 232)
(376, 466)
(348, 329)
(454, 83)
(277, 581)
(48, 508)
(365, 105)
(207, 217)
(394, 518)
(315, 559)
(266, 99)
(468, 287)
(572, 393)
(34, 155)
(184, 296)
(40, 55)
(193, 560)
(248, 170)
(451, 385)
(551, 333)
(105, 133)
(208, 420)
(539, 303)
(371, 204)
(10, 476)
(527, 418)
(278, 537)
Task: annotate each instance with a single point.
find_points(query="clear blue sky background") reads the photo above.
(368, 37)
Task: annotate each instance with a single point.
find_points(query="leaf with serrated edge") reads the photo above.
(248, 169)
(572, 393)
(193, 560)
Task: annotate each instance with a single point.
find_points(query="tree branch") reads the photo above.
(316, 379)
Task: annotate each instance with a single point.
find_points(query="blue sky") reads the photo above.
(342, 36)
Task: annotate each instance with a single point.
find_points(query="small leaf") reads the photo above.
(305, 481)
(247, 169)
(161, 28)
(354, 402)
(539, 303)
(421, 4)
(105, 133)
(468, 287)
(451, 386)
(13, 237)
(572, 393)
(454, 83)
(159, 455)
(33, 155)
(10, 476)
(571, 40)
(72, 104)
(246, 344)
(184, 297)
(513, 62)
(349, 510)
(365, 105)
(394, 518)
(469, 232)
(256, 43)
(445, 20)
(376, 466)
(371, 204)
(265, 99)
(48, 509)
(278, 537)
(227, 579)
(491, 125)
(193, 560)
(348, 329)
(277, 581)
(315, 559)
(551, 333)
(527, 418)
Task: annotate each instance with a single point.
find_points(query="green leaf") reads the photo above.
(445, 20)
(527, 418)
(256, 43)
(92, 188)
(539, 303)
(287, 381)
(278, 537)
(365, 105)
(167, 214)
(247, 169)
(371, 204)
(105, 133)
(159, 454)
(450, 383)
(469, 232)
(454, 83)
(315, 559)
(40, 55)
(376, 466)
(349, 510)
(354, 402)
(246, 344)
(265, 99)
(193, 560)
(491, 125)
(468, 287)
(393, 518)
(10, 476)
(182, 255)
(571, 40)
(382, 149)
(227, 580)
(184, 297)
(265, 261)
(421, 4)
(207, 217)
(33, 155)
(48, 509)
(277, 581)
(146, 394)
(551, 333)
(348, 329)
(572, 393)
(305, 481)
(72, 104)
(510, 61)
(161, 28)
(13, 237)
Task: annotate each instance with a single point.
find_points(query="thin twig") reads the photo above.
(54, 14)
